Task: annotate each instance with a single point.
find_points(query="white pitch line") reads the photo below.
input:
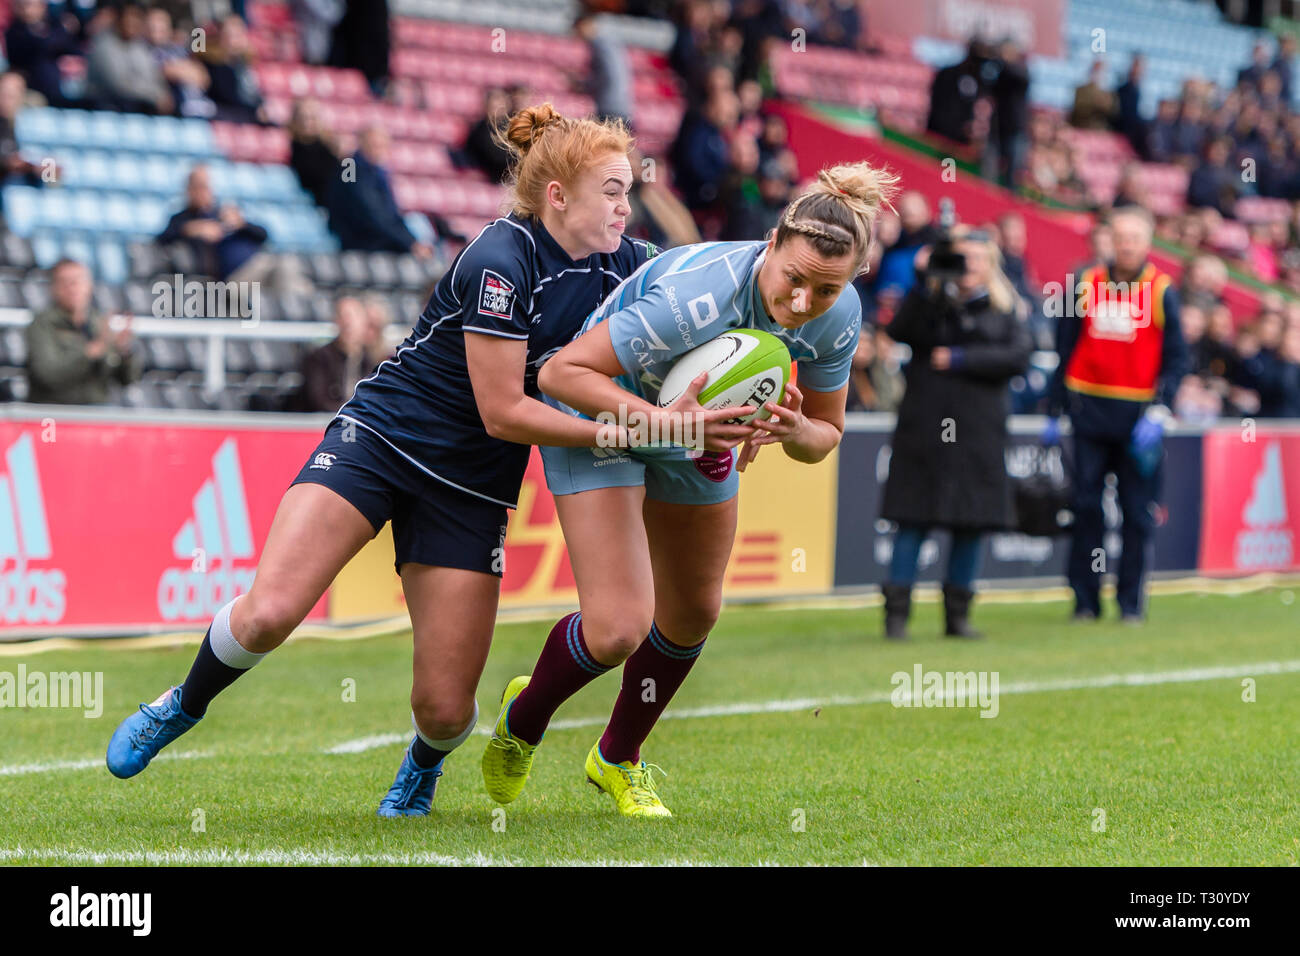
(295, 857)
(16, 770)
(882, 697)
(1138, 679)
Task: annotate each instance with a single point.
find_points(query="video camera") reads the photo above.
(946, 263)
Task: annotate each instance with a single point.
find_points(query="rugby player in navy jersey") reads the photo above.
(650, 532)
(436, 441)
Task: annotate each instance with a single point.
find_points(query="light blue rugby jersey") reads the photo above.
(688, 295)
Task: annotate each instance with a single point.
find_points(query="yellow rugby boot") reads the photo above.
(507, 759)
(632, 787)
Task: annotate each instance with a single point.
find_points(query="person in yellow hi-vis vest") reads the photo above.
(1122, 356)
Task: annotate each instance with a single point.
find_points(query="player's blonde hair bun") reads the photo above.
(837, 211)
(863, 187)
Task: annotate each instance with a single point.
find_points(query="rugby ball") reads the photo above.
(745, 366)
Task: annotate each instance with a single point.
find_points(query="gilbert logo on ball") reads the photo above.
(745, 367)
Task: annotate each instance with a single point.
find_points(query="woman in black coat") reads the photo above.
(947, 468)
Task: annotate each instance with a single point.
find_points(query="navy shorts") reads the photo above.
(433, 522)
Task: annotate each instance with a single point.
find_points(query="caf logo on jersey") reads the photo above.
(497, 296)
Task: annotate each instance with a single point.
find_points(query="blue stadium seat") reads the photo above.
(140, 132)
(118, 213)
(46, 249)
(36, 126)
(195, 138)
(110, 256)
(151, 214)
(79, 247)
(105, 127)
(87, 209)
(20, 208)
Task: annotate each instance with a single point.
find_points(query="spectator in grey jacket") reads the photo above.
(74, 354)
(122, 72)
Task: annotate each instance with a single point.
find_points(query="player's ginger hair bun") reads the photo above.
(545, 145)
(837, 212)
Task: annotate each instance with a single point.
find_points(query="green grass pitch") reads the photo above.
(1168, 765)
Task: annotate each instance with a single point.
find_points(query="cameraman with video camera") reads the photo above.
(947, 468)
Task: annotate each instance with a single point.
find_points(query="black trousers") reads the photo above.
(1094, 459)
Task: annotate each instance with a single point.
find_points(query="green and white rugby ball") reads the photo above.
(745, 366)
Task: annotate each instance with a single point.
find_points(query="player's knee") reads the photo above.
(265, 622)
(692, 622)
(614, 641)
(441, 716)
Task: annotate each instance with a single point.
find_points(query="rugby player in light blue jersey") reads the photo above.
(649, 530)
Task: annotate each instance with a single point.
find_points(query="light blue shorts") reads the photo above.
(668, 474)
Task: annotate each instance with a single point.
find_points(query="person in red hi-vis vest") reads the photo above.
(1122, 356)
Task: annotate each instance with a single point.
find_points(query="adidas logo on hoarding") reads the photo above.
(1265, 542)
(218, 535)
(36, 595)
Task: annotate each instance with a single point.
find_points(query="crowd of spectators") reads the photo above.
(727, 174)
(136, 61)
(1248, 369)
(984, 101)
(1235, 143)
(731, 161)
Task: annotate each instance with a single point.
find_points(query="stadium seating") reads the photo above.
(128, 191)
(893, 83)
(1178, 38)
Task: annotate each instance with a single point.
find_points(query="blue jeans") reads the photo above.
(963, 559)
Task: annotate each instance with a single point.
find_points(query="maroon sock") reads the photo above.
(666, 664)
(564, 667)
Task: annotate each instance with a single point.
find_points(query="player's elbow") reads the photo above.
(499, 419)
(499, 425)
(548, 376)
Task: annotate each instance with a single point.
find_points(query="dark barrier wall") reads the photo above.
(863, 542)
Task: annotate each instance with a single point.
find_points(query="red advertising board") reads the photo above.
(1250, 511)
(112, 525)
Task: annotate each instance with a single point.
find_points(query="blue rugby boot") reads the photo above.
(138, 739)
(411, 794)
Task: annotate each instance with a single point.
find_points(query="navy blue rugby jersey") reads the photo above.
(512, 280)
